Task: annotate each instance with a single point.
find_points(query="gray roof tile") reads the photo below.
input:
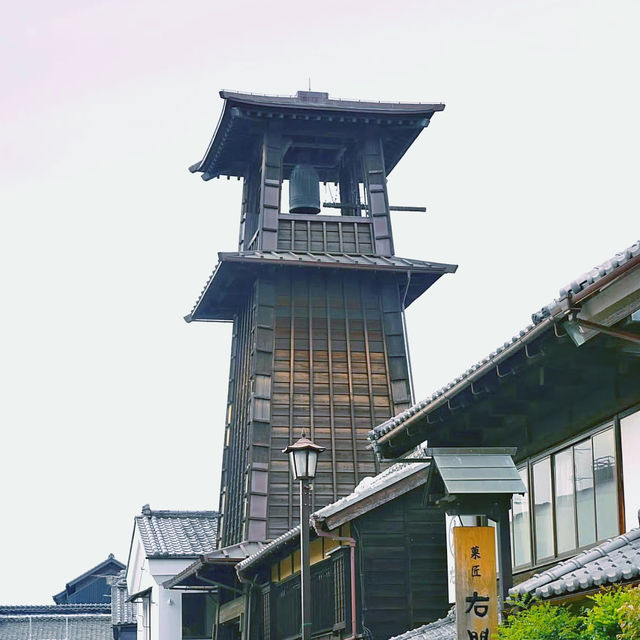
(174, 534)
(370, 485)
(443, 629)
(53, 609)
(611, 562)
(540, 319)
(268, 549)
(56, 627)
(589, 278)
(122, 612)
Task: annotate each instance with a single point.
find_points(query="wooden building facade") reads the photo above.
(316, 300)
(566, 393)
(92, 586)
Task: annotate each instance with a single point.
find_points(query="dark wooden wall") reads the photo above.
(234, 459)
(339, 367)
(316, 349)
(402, 565)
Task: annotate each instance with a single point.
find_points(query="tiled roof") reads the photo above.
(450, 389)
(53, 609)
(613, 561)
(236, 131)
(589, 278)
(56, 627)
(443, 629)
(366, 487)
(176, 534)
(270, 548)
(541, 320)
(122, 612)
(219, 305)
(370, 485)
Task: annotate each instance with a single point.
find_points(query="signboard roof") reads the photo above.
(480, 470)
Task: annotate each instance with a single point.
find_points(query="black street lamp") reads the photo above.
(303, 458)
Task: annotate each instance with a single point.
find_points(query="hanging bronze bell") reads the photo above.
(304, 190)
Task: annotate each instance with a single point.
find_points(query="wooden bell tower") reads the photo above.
(315, 293)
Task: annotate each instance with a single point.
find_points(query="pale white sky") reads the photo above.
(108, 399)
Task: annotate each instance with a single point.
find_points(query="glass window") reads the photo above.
(604, 472)
(542, 514)
(574, 496)
(630, 436)
(583, 460)
(521, 526)
(564, 506)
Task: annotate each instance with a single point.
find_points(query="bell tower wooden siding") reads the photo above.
(314, 351)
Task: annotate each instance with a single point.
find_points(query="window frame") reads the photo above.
(527, 463)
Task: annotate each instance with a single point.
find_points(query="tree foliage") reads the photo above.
(614, 615)
(542, 621)
(629, 616)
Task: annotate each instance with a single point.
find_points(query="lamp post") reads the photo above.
(303, 458)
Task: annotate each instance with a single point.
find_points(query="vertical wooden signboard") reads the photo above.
(476, 583)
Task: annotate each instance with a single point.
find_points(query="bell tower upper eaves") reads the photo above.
(279, 144)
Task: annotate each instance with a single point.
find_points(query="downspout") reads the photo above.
(247, 622)
(246, 618)
(406, 339)
(352, 556)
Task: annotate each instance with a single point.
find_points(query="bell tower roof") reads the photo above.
(245, 116)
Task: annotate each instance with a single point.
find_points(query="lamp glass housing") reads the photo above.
(303, 463)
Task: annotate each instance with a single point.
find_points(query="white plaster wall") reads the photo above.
(166, 605)
(137, 569)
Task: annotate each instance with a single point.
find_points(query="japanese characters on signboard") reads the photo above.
(452, 522)
(476, 583)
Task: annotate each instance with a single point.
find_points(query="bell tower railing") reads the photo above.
(325, 234)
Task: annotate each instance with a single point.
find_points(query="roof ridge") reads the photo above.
(588, 278)
(319, 98)
(68, 606)
(179, 513)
